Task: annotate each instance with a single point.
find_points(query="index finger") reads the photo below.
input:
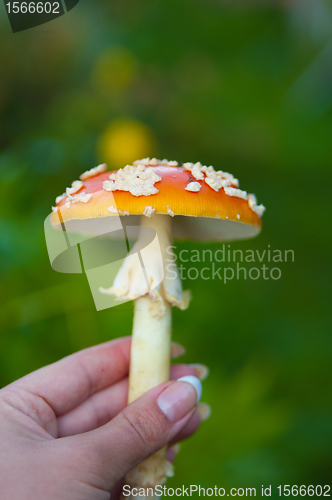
(67, 383)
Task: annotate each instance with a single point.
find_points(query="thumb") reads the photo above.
(141, 429)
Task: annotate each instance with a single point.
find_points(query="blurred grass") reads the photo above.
(244, 87)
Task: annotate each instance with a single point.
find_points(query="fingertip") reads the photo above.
(204, 411)
(172, 451)
(181, 369)
(177, 350)
(195, 382)
(201, 370)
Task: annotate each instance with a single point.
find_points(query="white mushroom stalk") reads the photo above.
(155, 289)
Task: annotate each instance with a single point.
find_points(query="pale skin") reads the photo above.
(66, 432)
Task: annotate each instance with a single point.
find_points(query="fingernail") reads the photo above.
(175, 448)
(180, 398)
(195, 382)
(177, 350)
(204, 411)
(172, 451)
(201, 370)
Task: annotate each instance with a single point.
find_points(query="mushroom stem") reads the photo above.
(150, 361)
(149, 367)
(154, 289)
(150, 348)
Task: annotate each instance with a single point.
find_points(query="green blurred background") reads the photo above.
(244, 86)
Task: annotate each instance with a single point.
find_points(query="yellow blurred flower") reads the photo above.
(125, 141)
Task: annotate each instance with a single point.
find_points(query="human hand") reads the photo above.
(66, 432)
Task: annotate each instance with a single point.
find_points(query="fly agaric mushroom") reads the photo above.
(192, 201)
